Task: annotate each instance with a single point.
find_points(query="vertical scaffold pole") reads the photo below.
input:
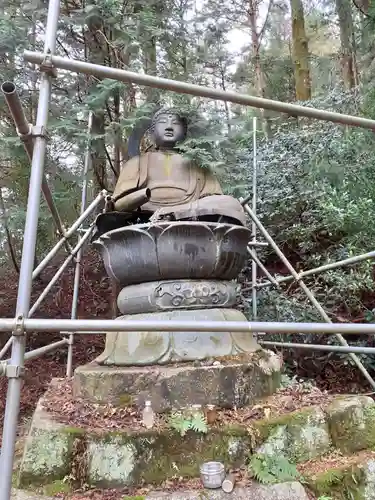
(77, 273)
(253, 225)
(16, 364)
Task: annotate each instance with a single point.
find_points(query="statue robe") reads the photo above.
(177, 187)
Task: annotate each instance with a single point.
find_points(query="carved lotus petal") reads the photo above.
(129, 254)
(186, 250)
(174, 250)
(232, 251)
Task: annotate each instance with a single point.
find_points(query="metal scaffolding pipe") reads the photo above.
(25, 132)
(36, 353)
(27, 263)
(91, 326)
(77, 271)
(4, 350)
(69, 233)
(319, 347)
(257, 243)
(57, 275)
(254, 265)
(307, 291)
(323, 268)
(255, 258)
(198, 90)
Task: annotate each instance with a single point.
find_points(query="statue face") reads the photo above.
(168, 130)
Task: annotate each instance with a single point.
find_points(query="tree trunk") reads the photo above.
(300, 52)
(96, 53)
(259, 76)
(348, 60)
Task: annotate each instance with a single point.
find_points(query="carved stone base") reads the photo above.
(147, 348)
(233, 382)
(168, 295)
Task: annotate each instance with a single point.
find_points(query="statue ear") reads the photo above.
(136, 136)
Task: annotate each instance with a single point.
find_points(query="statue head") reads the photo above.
(168, 128)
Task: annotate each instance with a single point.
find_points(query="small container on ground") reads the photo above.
(212, 474)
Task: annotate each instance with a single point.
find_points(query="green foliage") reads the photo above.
(183, 421)
(273, 469)
(315, 186)
(137, 497)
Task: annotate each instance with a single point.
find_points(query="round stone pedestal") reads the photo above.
(147, 348)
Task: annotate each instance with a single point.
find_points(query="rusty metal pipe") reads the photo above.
(24, 131)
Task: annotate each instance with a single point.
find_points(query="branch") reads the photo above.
(110, 161)
(261, 33)
(7, 233)
(362, 6)
(108, 111)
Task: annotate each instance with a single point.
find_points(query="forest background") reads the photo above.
(316, 180)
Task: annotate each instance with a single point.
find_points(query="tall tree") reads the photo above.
(348, 56)
(300, 52)
(256, 41)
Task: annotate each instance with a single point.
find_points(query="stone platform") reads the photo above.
(233, 381)
(284, 491)
(331, 443)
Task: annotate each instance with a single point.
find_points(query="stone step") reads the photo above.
(122, 453)
(342, 476)
(26, 495)
(282, 491)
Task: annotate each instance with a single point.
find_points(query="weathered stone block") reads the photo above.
(369, 480)
(355, 481)
(48, 451)
(111, 459)
(298, 436)
(352, 423)
(237, 381)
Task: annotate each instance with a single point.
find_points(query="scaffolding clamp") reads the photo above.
(19, 328)
(46, 66)
(37, 131)
(11, 371)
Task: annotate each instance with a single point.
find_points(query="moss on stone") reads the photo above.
(56, 487)
(299, 436)
(47, 457)
(73, 431)
(169, 455)
(340, 484)
(125, 400)
(352, 423)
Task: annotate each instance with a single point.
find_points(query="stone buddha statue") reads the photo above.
(175, 244)
(163, 184)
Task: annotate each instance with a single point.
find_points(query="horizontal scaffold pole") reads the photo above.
(90, 326)
(320, 347)
(321, 269)
(197, 90)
